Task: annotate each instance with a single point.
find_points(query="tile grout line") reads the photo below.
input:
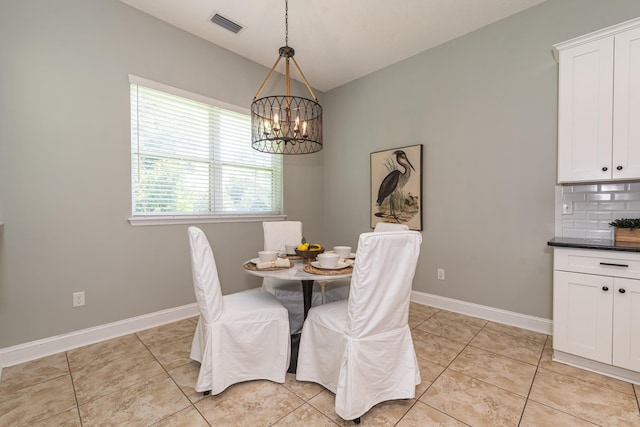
(172, 379)
(304, 402)
(469, 376)
(417, 398)
(295, 394)
(73, 385)
(564, 375)
(537, 366)
(54, 378)
(192, 404)
(443, 371)
(533, 380)
(539, 370)
(483, 381)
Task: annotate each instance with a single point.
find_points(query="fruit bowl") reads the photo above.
(308, 255)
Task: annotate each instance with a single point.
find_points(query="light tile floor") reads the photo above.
(474, 373)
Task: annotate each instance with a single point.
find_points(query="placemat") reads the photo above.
(313, 270)
(251, 266)
(291, 257)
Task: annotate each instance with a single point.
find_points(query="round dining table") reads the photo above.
(297, 273)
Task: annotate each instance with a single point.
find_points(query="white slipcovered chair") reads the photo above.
(361, 349)
(277, 234)
(388, 226)
(239, 337)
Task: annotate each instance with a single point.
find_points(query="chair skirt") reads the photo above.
(249, 341)
(361, 372)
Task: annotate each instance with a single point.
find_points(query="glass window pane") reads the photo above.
(194, 158)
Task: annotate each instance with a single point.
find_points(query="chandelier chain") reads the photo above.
(285, 124)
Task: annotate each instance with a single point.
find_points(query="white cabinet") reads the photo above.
(596, 306)
(626, 105)
(626, 321)
(583, 315)
(599, 105)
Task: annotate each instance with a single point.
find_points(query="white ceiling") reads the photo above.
(336, 41)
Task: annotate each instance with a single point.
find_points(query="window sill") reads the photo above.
(197, 219)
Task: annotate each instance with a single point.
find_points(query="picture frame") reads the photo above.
(396, 186)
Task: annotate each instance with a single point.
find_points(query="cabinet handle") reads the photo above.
(605, 288)
(621, 290)
(619, 168)
(614, 264)
(604, 169)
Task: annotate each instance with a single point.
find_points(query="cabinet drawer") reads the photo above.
(606, 263)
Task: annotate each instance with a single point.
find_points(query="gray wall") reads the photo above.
(484, 106)
(65, 167)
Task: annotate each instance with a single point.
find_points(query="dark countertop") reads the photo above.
(599, 244)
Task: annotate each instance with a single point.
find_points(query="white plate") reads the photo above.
(340, 265)
(352, 255)
(254, 260)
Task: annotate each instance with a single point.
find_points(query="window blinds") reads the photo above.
(192, 157)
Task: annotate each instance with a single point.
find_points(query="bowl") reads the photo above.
(328, 260)
(266, 256)
(343, 251)
(290, 249)
(309, 255)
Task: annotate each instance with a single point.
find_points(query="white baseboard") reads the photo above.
(597, 367)
(45, 347)
(524, 321)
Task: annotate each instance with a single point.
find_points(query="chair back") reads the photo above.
(206, 283)
(387, 226)
(381, 283)
(280, 233)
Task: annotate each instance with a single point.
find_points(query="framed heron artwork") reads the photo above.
(396, 186)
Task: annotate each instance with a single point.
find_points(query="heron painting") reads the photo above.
(396, 186)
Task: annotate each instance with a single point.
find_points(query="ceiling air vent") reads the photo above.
(226, 23)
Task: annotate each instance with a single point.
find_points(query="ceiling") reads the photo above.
(336, 41)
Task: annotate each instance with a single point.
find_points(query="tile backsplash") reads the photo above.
(593, 206)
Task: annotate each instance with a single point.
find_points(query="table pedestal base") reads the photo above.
(295, 345)
(307, 293)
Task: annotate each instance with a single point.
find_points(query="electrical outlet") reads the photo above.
(441, 274)
(78, 299)
(567, 208)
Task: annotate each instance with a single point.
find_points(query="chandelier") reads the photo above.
(285, 124)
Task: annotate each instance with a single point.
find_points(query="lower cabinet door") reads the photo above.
(583, 315)
(626, 324)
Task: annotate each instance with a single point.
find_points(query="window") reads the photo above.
(191, 156)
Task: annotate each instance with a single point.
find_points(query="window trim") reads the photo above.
(201, 219)
(171, 219)
(186, 94)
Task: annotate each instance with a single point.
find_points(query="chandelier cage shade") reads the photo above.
(285, 124)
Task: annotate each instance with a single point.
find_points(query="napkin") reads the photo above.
(280, 262)
(348, 261)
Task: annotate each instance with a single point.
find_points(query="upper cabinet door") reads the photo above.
(626, 107)
(585, 107)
